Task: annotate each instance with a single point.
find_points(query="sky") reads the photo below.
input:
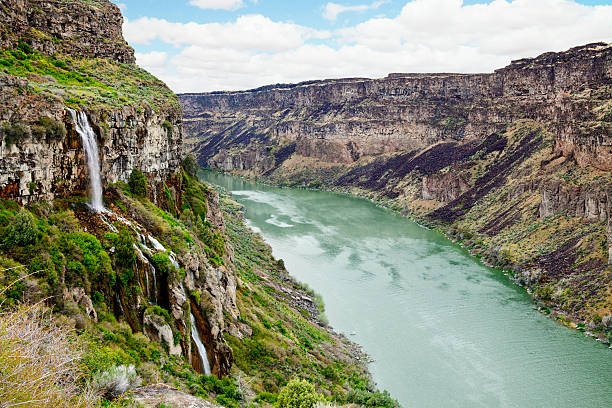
(214, 45)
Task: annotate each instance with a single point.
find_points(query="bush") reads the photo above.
(14, 132)
(21, 231)
(39, 361)
(298, 394)
(115, 381)
(190, 165)
(371, 399)
(125, 255)
(52, 129)
(138, 183)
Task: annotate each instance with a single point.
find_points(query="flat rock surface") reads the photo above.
(154, 395)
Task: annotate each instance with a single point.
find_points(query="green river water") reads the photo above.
(443, 330)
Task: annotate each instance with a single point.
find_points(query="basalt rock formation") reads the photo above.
(513, 163)
(61, 55)
(55, 38)
(85, 29)
(163, 274)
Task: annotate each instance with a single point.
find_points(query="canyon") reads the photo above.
(105, 220)
(513, 164)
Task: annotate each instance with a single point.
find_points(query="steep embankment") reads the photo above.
(515, 164)
(58, 54)
(167, 277)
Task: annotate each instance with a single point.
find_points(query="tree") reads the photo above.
(298, 394)
(138, 183)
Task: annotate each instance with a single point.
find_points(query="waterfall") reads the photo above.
(90, 146)
(201, 349)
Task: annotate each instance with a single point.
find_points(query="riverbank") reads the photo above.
(487, 255)
(421, 306)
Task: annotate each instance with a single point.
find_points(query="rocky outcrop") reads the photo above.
(161, 395)
(41, 154)
(444, 187)
(155, 328)
(341, 121)
(40, 167)
(80, 28)
(590, 202)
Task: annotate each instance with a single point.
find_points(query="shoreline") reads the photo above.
(548, 309)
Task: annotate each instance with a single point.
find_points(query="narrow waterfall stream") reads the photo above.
(90, 146)
(200, 346)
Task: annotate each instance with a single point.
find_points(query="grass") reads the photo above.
(87, 81)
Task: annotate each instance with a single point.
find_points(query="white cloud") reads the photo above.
(426, 36)
(154, 59)
(332, 10)
(217, 4)
(254, 32)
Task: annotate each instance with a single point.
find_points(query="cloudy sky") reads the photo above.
(208, 45)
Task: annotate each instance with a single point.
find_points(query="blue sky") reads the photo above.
(206, 45)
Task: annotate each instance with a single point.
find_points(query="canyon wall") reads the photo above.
(61, 37)
(63, 55)
(515, 163)
(85, 29)
(340, 121)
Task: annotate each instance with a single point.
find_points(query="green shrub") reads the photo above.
(138, 183)
(371, 399)
(168, 127)
(49, 128)
(125, 255)
(162, 263)
(190, 165)
(298, 394)
(21, 231)
(15, 132)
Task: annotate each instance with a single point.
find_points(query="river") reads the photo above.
(443, 330)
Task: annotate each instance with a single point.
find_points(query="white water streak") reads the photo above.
(90, 146)
(201, 349)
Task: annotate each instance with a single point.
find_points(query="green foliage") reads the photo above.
(298, 394)
(87, 262)
(162, 263)
(190, 165)
(371, 399)
(167, 127)
(87, 81)
(22, 230)
(15, 132)
(138, 183)
(49, 128)
(125, 255)
(160, 311)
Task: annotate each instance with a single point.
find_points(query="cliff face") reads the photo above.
(515, 163)
(57, 56)
(343, 120)
(60, 54)
(85, 29)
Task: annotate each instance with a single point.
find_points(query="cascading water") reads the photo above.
(90, 146)
(201, 349)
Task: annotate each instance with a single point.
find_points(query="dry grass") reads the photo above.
(39, 361)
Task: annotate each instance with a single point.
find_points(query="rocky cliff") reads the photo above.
(69, 54)
(166, 279)
(514, 163)
(84, 29)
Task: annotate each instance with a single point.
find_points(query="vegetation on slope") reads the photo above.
(85, 81)
(562, 258)
(56, 247)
